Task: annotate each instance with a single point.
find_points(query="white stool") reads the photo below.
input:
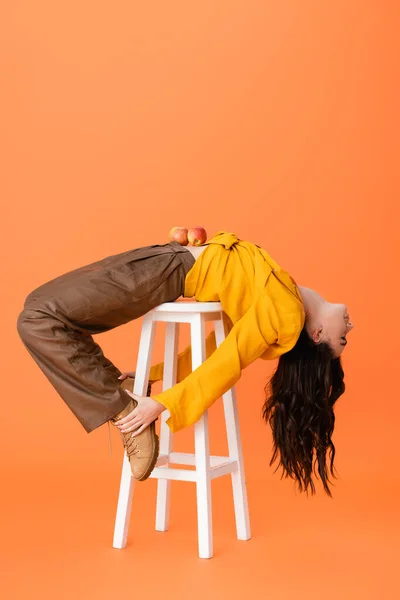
(206, 467)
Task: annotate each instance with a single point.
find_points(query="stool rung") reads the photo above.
(185, 458)
(219, 465)
(224, 469)
(171, 473)
(190, 474)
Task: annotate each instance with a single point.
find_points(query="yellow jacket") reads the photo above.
(263, 315)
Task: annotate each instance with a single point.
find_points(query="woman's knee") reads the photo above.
(23, 324)
(27, 321)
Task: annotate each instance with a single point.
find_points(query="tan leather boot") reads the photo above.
(143, 449)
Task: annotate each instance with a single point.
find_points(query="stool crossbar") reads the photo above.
(207, 467)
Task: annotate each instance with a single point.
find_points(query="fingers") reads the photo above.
(132, 419)
(136, 426)
(135, 430)
(127, 374)
(142, 428)
(131, 423)
(132, 415)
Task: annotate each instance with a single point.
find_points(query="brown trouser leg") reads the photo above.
(60, 317)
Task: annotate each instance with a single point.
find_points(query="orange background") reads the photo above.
(277, 121)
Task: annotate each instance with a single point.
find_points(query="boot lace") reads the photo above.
(130, 446)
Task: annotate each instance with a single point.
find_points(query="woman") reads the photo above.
(266, 316)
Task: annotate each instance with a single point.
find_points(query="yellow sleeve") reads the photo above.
(247, 340)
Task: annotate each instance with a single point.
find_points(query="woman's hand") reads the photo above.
(146, 411)
(133, 375)
(127, 374)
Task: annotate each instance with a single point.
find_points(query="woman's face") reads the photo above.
(336, 326)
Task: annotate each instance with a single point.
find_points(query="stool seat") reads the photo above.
(206, 467)
(188, 306)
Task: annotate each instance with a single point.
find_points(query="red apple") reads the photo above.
(197, 236)
(180, 235)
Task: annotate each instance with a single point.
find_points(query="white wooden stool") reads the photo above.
(206, 467)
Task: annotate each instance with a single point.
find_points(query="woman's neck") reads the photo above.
(311, 299)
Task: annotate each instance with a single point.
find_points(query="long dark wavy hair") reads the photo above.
(300, 397)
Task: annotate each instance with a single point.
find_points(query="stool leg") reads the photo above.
(235, 452)
(202, 450)
(166, 436)
(125, 496)
(122, 518)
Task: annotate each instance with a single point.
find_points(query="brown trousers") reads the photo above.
(60, 317)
